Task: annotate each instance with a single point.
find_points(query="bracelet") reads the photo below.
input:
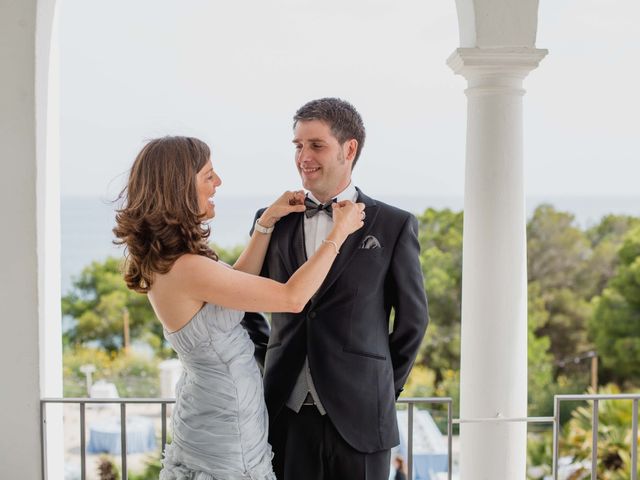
(335, 245)
(263, 229)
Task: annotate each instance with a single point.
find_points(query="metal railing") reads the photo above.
(409, 402)
(163, 402)
(595, 399)
(82, 403)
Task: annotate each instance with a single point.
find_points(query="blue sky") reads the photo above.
(233, 73)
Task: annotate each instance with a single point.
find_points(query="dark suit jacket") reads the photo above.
(358, 366)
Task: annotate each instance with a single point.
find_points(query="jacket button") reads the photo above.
(312, 314)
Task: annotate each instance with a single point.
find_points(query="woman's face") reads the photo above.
(207, 181)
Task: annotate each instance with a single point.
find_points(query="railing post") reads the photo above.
(634, 441)
(594, 440)
(83, 443)
(410, 441)
(163, 414)
(449, 438)
(556, 437)
(123, 439)
(43, 438)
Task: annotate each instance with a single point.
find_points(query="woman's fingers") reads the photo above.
(349, 214)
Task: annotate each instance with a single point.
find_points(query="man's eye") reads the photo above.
(316, 146)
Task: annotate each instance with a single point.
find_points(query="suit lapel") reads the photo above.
(351, 245)
(290, 242)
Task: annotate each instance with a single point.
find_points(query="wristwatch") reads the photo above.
(262, 229)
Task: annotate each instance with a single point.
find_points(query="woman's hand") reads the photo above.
(348, 217)
(287, 203)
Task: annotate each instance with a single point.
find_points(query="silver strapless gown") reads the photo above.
(220, 421)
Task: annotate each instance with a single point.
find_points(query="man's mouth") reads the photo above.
(309, 170)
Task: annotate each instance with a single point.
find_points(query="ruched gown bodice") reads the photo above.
(220, 421)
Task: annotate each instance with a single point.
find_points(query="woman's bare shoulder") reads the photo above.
(191, 264)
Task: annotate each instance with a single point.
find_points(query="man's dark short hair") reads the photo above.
(343, 119)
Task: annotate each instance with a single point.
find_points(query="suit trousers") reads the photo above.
(307, 446)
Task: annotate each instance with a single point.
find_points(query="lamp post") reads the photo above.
(88, 369)
(125, 337)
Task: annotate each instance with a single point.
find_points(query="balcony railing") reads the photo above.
(410, 404)
(595, 399)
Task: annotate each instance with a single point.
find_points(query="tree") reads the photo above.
(539, 360)
(440, 236)
(557, 253)
(615, 325)
(99, 301)
(606, 240)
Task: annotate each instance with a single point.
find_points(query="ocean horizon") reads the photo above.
(87, 221)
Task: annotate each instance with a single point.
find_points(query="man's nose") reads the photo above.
(304, 155)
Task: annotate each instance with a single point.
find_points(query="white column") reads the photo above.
(494, 286)
(48, 228)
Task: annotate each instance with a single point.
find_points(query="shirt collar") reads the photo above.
(349, 193)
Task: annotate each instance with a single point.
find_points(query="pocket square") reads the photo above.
(370, 242)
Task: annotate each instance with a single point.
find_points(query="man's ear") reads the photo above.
(351, 148)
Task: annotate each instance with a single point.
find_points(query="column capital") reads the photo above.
(512, 61)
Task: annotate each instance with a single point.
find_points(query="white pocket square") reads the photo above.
(370, 242)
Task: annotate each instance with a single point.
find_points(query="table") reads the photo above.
(104, 436)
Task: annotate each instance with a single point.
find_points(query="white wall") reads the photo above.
(30, 356)
(19, 353)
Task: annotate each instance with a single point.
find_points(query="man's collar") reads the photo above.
(349, 193)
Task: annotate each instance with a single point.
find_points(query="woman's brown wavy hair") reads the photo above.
(159, 218)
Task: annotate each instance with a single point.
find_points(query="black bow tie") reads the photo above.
(313, 207)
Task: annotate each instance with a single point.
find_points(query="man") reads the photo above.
(334, 371)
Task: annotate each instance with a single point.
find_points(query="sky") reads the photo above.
(233, 73)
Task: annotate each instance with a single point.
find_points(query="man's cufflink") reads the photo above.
(262, 229)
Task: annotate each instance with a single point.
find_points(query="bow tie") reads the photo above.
(313, 207)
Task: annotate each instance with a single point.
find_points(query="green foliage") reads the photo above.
(539, 455)
(540, 362)
(421, 382)
(133, 375)
(98, 302)
(151, 471)
(557, 252)
(228, 256)
(440, 237)
(615, 326)
(614, 436)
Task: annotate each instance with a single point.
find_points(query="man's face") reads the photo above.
(323, 164)
(207, 180)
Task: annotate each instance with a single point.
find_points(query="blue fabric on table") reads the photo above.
(105, 436)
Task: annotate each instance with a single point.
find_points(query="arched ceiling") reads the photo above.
(497, 23)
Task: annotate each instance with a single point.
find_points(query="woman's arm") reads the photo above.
(208, 281)
(252, 258)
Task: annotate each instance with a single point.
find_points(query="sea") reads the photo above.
(86, 222)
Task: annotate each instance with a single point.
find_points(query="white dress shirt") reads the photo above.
(316, 229)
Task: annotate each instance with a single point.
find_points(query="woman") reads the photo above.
(219, 420)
